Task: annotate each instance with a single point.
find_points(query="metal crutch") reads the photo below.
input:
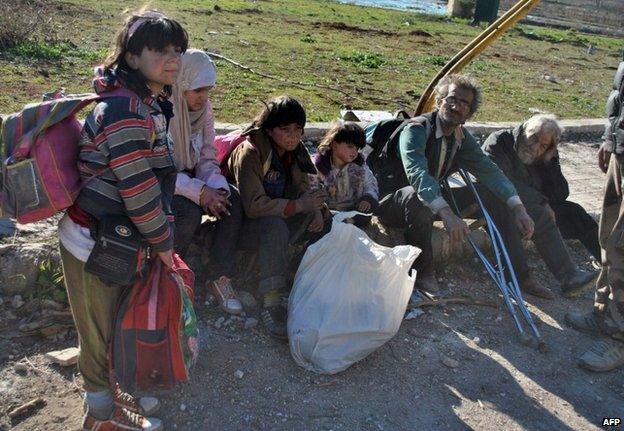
(509, 289)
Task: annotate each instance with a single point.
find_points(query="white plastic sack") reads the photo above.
(348, 299)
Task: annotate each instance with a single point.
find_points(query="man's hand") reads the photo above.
(214, 202)
(364, 207)
(166, 257)
(310, 202)
(523, 221)
(316, 225)
(603, 159)
(456, 228)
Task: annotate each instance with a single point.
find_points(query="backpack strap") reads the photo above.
(47, 114)
(422, 120)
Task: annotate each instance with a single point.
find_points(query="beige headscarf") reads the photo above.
(197, 71)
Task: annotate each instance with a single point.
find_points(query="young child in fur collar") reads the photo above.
(348, 180)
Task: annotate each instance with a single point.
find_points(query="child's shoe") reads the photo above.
(145, 406)
(122, 420)
(274, 320)
(222, 289)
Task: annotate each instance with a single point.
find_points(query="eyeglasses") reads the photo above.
(452, 100)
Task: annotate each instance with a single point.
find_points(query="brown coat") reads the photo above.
(249, 163)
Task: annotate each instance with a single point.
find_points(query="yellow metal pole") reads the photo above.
(474, 48)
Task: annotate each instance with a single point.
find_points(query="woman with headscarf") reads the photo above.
(200, 186)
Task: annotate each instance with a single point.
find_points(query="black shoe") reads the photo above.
(577, 283)
(274, 320)
(530, 286)
(584, 322)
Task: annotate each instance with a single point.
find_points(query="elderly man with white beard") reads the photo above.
(528, 156)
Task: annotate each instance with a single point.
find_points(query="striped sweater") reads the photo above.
(126, 161)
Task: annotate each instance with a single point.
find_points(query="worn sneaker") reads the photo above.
(604, 355)
(584, 322)
(427, 283)
(530, 286)
(122, 420)
(223, 291)
(577, 283)
(145, 406)
(274, 320)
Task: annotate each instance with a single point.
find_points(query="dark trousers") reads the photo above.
(188, 217)
(271, 236)
(403, 209)
(574, 223)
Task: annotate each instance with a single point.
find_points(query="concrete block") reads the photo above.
(64, 357)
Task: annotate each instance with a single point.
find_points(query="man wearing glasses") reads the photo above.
(428, 150)
(528, 156)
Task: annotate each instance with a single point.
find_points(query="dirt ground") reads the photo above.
(498, 383)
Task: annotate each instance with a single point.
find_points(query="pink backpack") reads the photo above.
(39, 156)
(225, 144)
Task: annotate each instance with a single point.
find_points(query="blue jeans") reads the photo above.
(188, 217)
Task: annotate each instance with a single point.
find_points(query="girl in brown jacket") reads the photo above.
(271, 170)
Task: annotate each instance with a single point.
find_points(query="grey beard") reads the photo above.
(525, 157)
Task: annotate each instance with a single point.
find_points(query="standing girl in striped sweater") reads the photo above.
(127, 167)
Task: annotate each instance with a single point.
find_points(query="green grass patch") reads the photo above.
(308, 38)
(50, 282)
(370, 60)
(53, 51)
(435, 60)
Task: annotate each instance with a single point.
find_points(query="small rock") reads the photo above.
(20, 367)
(182, 407)
(11, 357)
(1, 301)
(219, 322)
(416, 312)
(550, 78)
(17, 301)
(239, 374)
(476, 340)
(251, 323)
(449, 362)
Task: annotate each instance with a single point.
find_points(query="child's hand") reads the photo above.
(166, 257)
(364, 206)
(214, 202)
(316, 225)
(309, 202)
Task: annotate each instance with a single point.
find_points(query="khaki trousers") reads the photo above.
(93, 304)
(609, 299)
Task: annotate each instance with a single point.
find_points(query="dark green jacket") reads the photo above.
(421, 165)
